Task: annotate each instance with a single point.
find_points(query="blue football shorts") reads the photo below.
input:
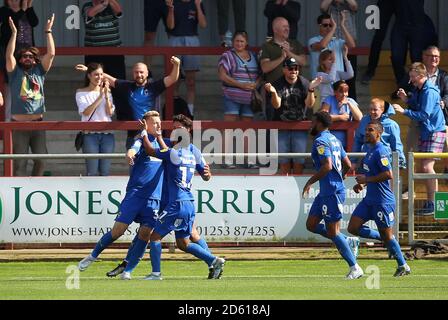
(139, 210)
(178, 216)
(329, 208)
(382, 214)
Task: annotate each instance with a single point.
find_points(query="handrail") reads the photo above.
(8, 127)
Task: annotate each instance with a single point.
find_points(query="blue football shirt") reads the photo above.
(325, 146)
(181, 165)
(377, 160)
(147, 173)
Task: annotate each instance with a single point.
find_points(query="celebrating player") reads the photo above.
(327, 153)
(379, 202)
(181, 162)
(141, 202)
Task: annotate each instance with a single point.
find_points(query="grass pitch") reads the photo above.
(260, 279)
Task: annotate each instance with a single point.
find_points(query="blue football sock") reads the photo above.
(366, 232)
(136, 254)
(395, 250)
(155, 253)
(200, 253)
(204, 246)
(130, 248)
(344, 249)
(104, 242)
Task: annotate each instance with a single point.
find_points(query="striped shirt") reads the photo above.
(103, 29)
(235, 68)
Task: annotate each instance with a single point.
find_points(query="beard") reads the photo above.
(26, 66)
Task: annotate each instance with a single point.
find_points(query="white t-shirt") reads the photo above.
(86, 98)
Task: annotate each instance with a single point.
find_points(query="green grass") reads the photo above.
(272, 279)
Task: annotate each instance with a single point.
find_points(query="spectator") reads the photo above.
(102, 26)
(293, 98)
(439, 78)
(239, 72)
(425, 108)
(327, 70)
(341, 108)
(290, 10)
(239, 15)
(139, 94)
(183, 19)
(275, 51)
(26, 73)
(153, 11)
(327, 39)
(336, 9)
(95, 104)
(25, 19)
(413, 29)
(387, 10)
(381, 111)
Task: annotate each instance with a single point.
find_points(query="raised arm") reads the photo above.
(202, 20)
(347, 35)
(116, 8)
(170, 23)
(11, 48)
(324, 5)
(47, 59)
(174, 75)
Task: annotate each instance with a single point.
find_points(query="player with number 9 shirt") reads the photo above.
(332, 164)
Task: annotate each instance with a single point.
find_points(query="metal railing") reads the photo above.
(413, 234)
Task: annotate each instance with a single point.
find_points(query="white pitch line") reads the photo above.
(202, 277)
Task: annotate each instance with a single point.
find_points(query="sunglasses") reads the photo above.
(293, 68)
(25, 56)
(326, 25)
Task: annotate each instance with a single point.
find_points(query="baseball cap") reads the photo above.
(290, 62)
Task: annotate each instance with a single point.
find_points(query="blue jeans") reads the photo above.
(98, 143)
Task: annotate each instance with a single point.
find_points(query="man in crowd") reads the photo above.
(26, 72)
(424, 107)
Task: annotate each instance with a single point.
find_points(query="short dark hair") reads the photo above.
(184, 120)
(338, 84)
(378, 125)
(323, 16)
(324, 118)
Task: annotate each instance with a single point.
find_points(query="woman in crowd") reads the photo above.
(341, 108)
(239, 72)
(95, 104)
(329, 73)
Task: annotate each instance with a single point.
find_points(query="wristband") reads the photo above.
(310, 90)
(48, 31)
(144, 133)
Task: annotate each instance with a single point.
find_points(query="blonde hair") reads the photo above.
(324, 55)
(379, 102)
(419, 68)
(151, 114)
